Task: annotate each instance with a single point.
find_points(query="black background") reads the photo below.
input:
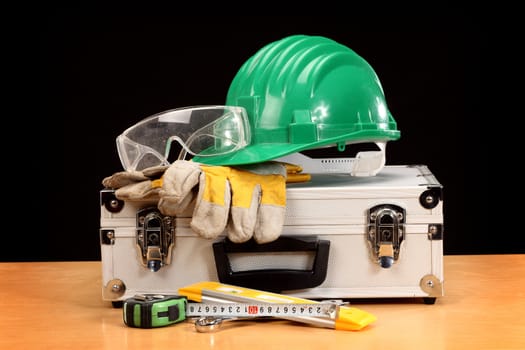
(100, 74)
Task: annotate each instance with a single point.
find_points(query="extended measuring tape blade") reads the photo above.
(261, 310)
(210, 292)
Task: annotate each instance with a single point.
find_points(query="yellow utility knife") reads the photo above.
(344, 318)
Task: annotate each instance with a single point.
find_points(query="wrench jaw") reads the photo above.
(208, 324)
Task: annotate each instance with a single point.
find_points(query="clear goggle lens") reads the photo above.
(205, 131)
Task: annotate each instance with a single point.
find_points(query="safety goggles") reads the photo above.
(204, 131)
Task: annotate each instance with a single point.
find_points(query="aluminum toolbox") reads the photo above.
(344, 237)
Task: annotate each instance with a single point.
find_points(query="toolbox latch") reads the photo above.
(155, 238)
(386, 231)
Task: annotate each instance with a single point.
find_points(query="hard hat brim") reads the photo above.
(264, 152)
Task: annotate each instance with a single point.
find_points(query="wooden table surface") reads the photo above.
(58, 305)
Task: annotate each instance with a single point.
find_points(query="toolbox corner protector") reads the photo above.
(114, 289)
(431, 285)
(430, 198)
(109, 201)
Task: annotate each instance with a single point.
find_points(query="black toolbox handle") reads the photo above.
(273, 280)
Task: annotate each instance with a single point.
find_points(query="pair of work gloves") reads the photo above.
(248, 201)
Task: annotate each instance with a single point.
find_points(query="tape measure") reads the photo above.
(155, 310)
(259, 310)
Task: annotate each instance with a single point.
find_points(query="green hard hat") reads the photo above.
(304, 92)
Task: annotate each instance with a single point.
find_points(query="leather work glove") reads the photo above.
(136, 185)
(247, 202)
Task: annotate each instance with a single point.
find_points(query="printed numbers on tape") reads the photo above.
(259, 310)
